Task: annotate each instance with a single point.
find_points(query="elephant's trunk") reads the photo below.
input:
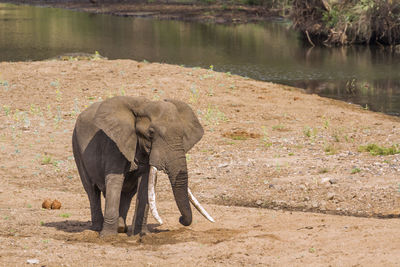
(180, 190)
(176, 168)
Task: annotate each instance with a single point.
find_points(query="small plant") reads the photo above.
(54, 83)
(323, 170)
(355, 170)
(58, 95)
(307, 131)
(214, 115)
(310, 132)
(194, 97)
(76, 107)
(330, 149)
(376, 150)
(278, 127)
(122, 91)
(96, 56)
(326, 124)
(46, 159)
(265, 139)
(6, 110)
(65, 215)
(58, 116)
(336, 137)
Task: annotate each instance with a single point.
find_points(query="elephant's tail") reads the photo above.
(78, 158)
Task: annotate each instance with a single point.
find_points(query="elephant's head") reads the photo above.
(164, 131)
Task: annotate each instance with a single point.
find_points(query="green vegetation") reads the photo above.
(265, 139)
(310, 132)
(65, 215)
(330, 149)
(323, 170)
(279, 127)
(214, 115)
(333, 22)
(377, 150)
(46, 159)
(355, 170)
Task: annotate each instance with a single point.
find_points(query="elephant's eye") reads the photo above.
(151, 132)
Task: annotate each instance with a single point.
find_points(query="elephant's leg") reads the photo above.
(111, 212)
(139, 223)
(125, 202)
(93, 193)
(95, 208)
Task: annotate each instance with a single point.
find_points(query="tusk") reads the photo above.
(152, 194)
(197, 205)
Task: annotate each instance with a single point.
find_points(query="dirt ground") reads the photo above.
(277, 169)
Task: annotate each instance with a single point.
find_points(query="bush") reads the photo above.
(348, 22)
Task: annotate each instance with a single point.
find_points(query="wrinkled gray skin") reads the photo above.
(116, 141)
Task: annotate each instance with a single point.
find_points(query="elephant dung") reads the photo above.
(47, 204)
(56, 205)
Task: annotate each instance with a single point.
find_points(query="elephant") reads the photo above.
(119, 144)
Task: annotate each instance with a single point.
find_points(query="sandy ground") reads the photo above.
(277, 168)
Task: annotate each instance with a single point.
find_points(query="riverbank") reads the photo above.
(338, 23)
(271, 154)
(206, 13)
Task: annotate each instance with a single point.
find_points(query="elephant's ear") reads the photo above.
(116, 117)
(193, 131)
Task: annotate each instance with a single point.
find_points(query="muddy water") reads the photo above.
(269, 51)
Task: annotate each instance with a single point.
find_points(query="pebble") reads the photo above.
(223, 165)
(332, 181)
(325, 179)
(330, 196)
(32, 261)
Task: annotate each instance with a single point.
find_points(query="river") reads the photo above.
(269, 51)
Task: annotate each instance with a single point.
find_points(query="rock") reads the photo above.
(32, 261)
(47, 204)
(259, 202)
(325, 180)
(330, 196)
(56, 205)
(333, 181)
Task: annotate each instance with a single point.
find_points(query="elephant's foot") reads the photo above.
(144, 231)
(106, 233)
(96, 227)
(122, 228)
(109, 229)
(139, 230)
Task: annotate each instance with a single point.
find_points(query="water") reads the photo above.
(268, 51)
